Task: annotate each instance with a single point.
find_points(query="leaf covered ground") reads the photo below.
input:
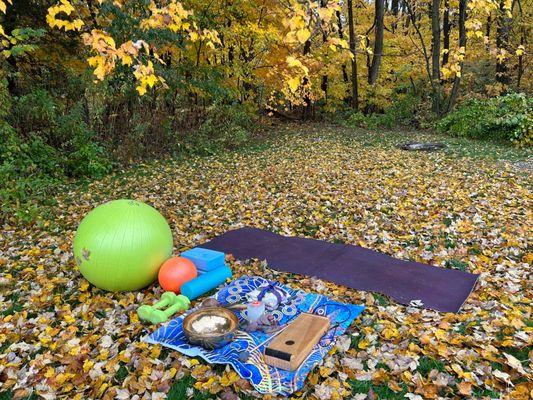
(62, 338)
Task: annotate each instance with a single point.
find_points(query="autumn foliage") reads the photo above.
(284, 55)
(90, 86)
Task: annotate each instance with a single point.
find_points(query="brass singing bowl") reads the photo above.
(212, 340)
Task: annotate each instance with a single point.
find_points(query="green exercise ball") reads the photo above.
(120, 245)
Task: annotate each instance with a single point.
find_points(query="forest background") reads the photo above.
(88, 86)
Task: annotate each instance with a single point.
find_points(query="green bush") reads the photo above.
(57, 141)
(30, 172)
(506, 118)
(401, 112)
(40, 146)
(355, 120)
(35, 111)
(226, 127)
(83, 155)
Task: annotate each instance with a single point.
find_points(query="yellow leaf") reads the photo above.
(87, 365)
(514, 363)
(141, 90)
(390, 333)
(294, 83)
(343, 43)
(440, 334)
(49, 372)
(150, 80)
(229, 378)
(465, 388)
(302, 35)
(293, 62)
(298, 22)
(194, 362)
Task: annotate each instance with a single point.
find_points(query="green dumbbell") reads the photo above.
(155, 315)
(167, 299)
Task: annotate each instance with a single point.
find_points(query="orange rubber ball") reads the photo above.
(175, 272)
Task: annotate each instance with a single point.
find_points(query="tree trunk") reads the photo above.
(523, 35)
(373, 71)
(395, 8)
(308, 107)
(341, 36)
(435, 53)
(351, 33)
(462, 43)
(324, 83)
(446, 32)
(502, 43)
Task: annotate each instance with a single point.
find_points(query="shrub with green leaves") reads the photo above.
(506, 118)
(401, 112)
(41, 145)
(226, 127)
(84, 156)
(30, 171)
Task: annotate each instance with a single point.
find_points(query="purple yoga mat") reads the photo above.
(353, 266)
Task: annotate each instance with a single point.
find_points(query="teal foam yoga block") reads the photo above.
(205, 282)
(204, 259)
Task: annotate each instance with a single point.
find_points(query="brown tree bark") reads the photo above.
(462, 43)
(415, 21)
(523, 42)
(324, 83)
(354, 101)
(446, 27)
(394, 8)
(341, 36)
(435, 53)
(502, 42)
(308, 107)
(373, 71)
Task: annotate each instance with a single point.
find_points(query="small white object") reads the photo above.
(254, 310)
(208, 323)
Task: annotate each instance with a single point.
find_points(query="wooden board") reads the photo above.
(291, 347)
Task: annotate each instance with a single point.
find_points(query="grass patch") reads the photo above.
(381, 299)
(178, 391)
(521, 354)
(455, 146)
(456, 264)
(15, 306)
(121, 373)
(426, 364)
(482, 392)
(9, 396)
(380, 391)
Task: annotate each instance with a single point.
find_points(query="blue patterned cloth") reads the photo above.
(264, 378)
